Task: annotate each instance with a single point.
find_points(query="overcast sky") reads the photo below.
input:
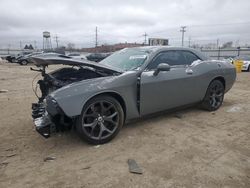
(123, 21)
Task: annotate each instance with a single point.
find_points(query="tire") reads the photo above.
(101, 120)
(24, 62)
(248, 68)
(214, 96)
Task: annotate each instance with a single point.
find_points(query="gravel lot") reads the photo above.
(189, 148)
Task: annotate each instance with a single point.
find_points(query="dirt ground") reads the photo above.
(191, 148)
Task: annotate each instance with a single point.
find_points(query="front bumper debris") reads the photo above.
(43, 124)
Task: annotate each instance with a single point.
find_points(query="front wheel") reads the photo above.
(101, 119)
(214, 96)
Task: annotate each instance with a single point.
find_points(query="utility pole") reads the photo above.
(35, 44)
(145, 38)
(237, 43)
(96, 37)
(183, 31)
(217, 43)
(56, 39)
(189, 42)
(9, 48)
(21, 45)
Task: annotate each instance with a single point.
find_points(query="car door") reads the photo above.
(168, 89)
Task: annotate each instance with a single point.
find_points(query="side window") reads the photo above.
(170, 57)
(190, 57)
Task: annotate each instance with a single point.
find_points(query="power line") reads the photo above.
(220, 24)
(183, 31)
(201, 25)
(105, 34)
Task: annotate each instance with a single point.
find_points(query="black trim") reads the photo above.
(138, 93)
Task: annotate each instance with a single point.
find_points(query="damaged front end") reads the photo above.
(42, 121)
(49, 118)
(47, 115)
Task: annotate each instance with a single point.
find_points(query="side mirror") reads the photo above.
(161, 67)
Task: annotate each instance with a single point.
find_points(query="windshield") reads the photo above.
(126, 59)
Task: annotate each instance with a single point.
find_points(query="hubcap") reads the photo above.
(216, 95)
(100, 120)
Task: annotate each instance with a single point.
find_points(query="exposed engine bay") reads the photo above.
(64, 76)
(45, 121)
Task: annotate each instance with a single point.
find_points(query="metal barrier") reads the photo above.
(225, 53)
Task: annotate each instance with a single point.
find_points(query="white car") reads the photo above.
(246, 62)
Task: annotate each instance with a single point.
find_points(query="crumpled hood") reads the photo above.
(57, 59)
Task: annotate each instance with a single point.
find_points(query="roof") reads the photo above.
(162, 48)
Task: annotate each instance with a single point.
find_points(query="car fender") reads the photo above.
(73, 97)
(211, 69)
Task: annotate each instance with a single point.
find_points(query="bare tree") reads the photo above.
(227, 44)
(70, 46)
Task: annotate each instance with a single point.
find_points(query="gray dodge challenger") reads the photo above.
(98, 98)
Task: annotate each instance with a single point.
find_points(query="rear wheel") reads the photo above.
(248, 68)
(101, 119)
(214, 96)
(24, 62)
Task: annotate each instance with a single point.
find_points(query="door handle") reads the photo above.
(189, 71)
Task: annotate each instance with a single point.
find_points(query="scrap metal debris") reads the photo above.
(49, 159)
(87, 167)
(3, 90)
(134, 167)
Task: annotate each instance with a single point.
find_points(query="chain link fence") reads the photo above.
(225, 53)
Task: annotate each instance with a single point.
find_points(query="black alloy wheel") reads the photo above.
(214, 96)
(101, 120)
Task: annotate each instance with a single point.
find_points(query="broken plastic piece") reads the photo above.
(49, 159)
(134, 167)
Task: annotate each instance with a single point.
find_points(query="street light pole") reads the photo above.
(183, 31)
